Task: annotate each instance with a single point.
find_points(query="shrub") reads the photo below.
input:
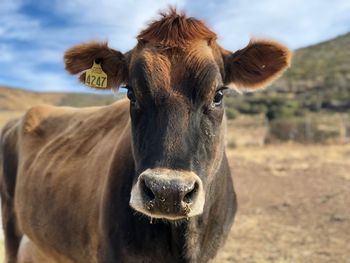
(231, 113)
(282, 108)
(304, 130)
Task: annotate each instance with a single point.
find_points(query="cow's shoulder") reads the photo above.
(44, 121)
(35, 116)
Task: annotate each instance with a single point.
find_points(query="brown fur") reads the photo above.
(175, 30)
(92, 138)
(158, 69)
(256, 65)
(81, 57)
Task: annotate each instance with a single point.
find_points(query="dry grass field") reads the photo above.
(1, 251)
(294, 200)
(294, 204)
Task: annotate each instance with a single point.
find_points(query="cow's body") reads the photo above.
(65, 157)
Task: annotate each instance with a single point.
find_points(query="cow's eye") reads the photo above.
(219, 95)
(131, 95)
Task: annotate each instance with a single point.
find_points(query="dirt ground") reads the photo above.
(294, 204)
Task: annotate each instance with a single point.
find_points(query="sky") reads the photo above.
(35, 33)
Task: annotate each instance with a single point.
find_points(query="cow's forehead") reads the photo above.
(173, 68)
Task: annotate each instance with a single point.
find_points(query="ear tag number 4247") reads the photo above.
(95, 77)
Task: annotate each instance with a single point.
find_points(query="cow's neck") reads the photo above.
(215, 223)
(130, 237)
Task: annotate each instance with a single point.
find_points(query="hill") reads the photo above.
(325, 65)
(318, 80)
(12, 99)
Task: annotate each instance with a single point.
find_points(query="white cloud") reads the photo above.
(13, 24)
(7, 54)
(117, 21)
(45, 81)
(294, 22)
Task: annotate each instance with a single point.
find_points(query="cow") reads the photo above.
(145, 179)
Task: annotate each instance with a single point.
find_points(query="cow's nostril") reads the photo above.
(147, 192)
(188, 198)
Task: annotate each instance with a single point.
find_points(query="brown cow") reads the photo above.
(141, 180)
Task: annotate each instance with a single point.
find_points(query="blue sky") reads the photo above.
(35, 33)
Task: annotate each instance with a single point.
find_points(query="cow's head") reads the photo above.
(175, 79)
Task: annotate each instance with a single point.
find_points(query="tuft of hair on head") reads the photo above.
(175, 29)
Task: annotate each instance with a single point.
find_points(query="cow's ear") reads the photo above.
(256, 65)
(80, 58)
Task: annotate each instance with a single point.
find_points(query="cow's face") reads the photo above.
(175, 84)
(177, 114)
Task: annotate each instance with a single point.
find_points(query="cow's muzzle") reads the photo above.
(168, 194)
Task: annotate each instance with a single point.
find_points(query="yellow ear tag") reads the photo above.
(95, 77)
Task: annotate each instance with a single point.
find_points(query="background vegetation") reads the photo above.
(318, 81)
